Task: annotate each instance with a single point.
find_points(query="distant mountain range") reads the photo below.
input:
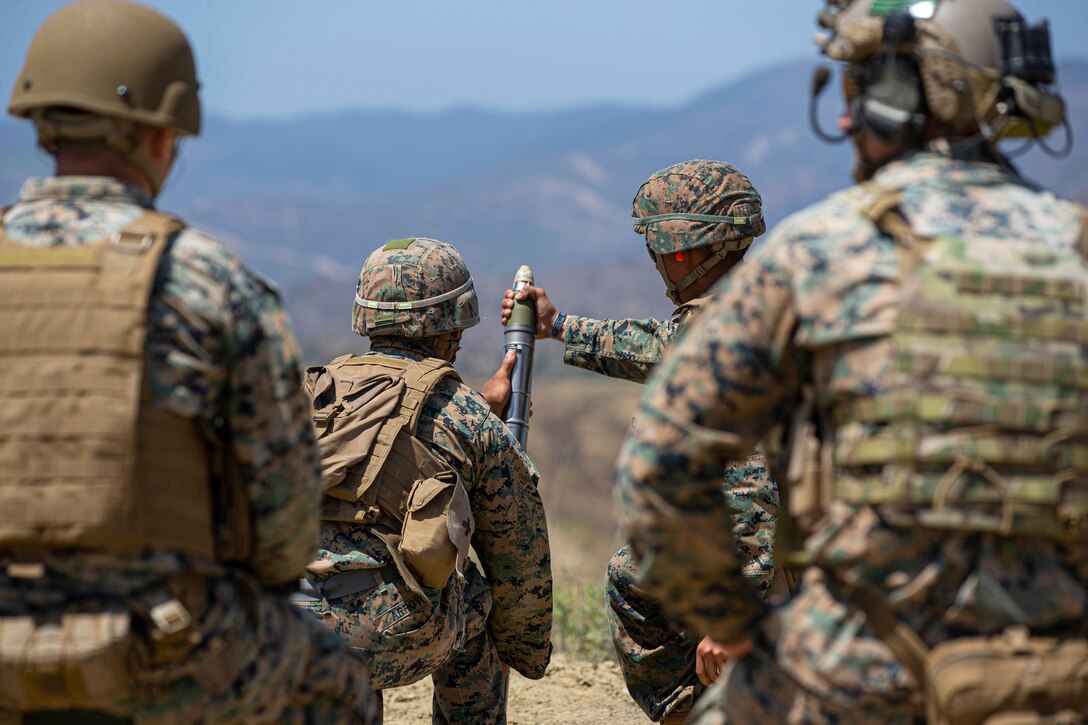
(305, 200)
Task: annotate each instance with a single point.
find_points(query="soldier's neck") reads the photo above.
(104, 164)
(402, 345)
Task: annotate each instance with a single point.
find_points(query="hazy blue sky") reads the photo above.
(261, 58)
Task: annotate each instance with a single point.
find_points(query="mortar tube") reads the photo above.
(520, 336)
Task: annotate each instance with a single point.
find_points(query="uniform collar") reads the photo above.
(402, 347)
(924, 165)
(90, 188)
(690, 307)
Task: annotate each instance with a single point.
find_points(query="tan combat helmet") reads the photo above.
(978, 68)
(414, 288)
(102, 70)
(695, 204)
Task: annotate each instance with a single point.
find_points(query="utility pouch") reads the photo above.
(1011, 678)
(801, 466)
(437, 529)
(71, 661)
(1007, 678)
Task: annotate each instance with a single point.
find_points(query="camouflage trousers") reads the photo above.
(258, 660)
(656, 659)
(405, 637)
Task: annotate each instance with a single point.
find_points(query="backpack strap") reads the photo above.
(422, 378)
(901, 639)
(1082, 239)
(884, 212)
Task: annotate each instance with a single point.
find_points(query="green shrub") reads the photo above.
(580, 627)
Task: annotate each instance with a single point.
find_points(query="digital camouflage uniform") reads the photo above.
(657, 659)
(817, 304)
(463, 633)
(218, 343)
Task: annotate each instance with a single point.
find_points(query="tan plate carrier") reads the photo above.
(984, 428)
(85, 461)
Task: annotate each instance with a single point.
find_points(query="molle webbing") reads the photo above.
(85, 462)
(984, 425)
(388, 453)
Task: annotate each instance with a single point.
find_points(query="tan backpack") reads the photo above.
(378, 474)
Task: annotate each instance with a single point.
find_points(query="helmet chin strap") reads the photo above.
(135, 156)
(720, 250)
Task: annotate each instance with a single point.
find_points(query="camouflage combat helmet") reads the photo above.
(981, 69)
(414, 288)
(697, 204)
(102, 70)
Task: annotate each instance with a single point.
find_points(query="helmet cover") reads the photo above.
(695, 204)
(415, 287)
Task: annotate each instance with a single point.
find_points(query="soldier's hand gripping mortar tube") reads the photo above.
(922, 337)
(520, 336)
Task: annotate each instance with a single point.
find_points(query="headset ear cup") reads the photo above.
(891, 105)
(877, 117)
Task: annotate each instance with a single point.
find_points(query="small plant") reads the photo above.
(580, 627)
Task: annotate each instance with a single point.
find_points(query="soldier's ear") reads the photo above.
(158, 145)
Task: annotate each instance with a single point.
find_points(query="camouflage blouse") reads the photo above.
(629, 350)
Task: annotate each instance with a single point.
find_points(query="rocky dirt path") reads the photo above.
(572, 691)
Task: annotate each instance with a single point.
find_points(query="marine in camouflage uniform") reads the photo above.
(219, 355)
(658, 661)
(466, 633)
(817, 307)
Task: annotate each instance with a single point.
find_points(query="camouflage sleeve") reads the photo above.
(258, 393)
(625, 349)
(722, 388)
(753, 500)
(274, 439)
(511, 540)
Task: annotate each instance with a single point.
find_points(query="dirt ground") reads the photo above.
(571, 691)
